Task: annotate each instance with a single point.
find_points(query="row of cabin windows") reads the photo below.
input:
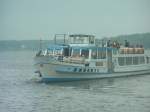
(94, 54)
(84, 53)
(131, 60)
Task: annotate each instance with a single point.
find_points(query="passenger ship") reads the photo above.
(82, 57)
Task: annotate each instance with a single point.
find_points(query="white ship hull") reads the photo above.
(50, 72)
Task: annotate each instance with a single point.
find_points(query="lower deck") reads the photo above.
(60, 70)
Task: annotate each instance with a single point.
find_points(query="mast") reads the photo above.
(40, 49)
(55, 39)
(40, 44)
(64, 38)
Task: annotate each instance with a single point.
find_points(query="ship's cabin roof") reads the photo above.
(81, 35)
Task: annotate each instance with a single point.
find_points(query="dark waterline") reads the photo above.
(21, 91)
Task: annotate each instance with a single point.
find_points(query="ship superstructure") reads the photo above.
(81, 56)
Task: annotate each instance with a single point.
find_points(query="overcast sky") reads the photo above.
(34, 19)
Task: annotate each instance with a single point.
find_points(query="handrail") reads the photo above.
(60, 35)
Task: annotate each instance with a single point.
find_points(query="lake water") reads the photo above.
(20, 90)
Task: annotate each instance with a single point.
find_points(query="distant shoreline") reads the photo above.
(142, 38)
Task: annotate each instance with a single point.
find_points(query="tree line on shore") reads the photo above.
(141, 39)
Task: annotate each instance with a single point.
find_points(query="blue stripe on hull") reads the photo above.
(106, 75)
(62, 79)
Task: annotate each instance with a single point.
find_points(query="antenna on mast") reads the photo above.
(40, 49)
(40, 44)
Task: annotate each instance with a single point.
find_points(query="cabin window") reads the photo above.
(94, 54)
(98, 53)
(135, 60)
(77, 40)
(91, 40)
(128, 60)
(76, 53)
(75, 69)
(72, 40)
(121, 61)
(85, 53)
(101, 54)
(141, 60)
(81, 39)
(66, 51)
(80, 69)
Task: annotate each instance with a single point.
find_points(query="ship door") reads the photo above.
(66, 51)
(109, 60)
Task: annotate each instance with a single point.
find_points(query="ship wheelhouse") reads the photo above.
(81, 40)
